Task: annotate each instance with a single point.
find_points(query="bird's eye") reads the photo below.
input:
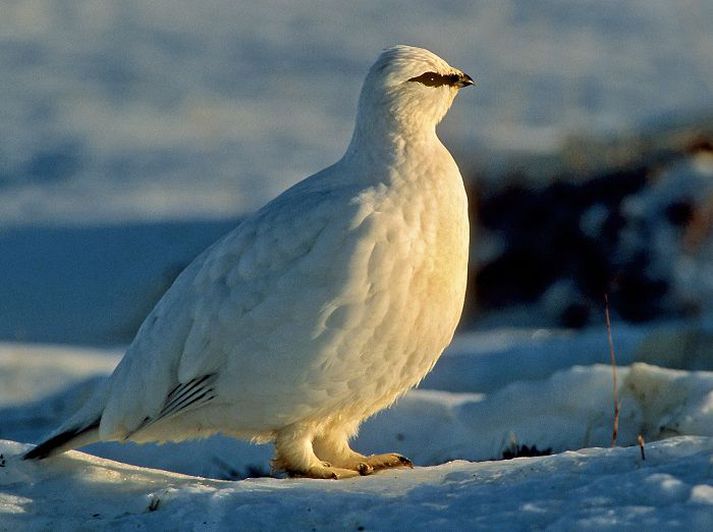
(430, 79)
(434, 79)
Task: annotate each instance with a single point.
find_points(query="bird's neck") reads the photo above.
(383, 142)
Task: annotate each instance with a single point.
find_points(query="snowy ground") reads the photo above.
(482, 401)
(592, 489)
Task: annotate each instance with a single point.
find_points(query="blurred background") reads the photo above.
(134, 134)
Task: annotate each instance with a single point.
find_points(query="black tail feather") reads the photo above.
(46, 448)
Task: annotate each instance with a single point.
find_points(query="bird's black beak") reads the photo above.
(464, 80)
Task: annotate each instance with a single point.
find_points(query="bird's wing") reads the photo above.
(183, 397)
(241, 287)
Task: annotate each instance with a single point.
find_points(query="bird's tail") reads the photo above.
(64, 441)
(79, 430)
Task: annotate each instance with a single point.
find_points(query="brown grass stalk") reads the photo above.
(612, 357)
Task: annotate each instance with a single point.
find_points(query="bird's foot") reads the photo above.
(325, 471)
(377, 462)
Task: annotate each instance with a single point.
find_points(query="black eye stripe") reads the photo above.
(434, 79)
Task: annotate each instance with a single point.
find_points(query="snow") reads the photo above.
(31, 371)
(135, 111)
(456, 434)
(595, 489)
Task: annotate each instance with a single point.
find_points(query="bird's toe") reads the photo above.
(365, 469)
(388, 461)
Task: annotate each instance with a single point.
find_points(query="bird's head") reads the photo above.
(409, 87)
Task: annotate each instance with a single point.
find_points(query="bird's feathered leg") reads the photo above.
(333, 447)
(295, 456)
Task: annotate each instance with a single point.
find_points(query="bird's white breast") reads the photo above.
(371, 307)
(406, 291)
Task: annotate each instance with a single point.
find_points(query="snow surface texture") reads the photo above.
(117, 111)
(564, 409)
(593, 489)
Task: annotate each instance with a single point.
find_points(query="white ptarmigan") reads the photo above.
(321, 308)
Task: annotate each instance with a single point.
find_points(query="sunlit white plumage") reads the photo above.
(320, 309)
